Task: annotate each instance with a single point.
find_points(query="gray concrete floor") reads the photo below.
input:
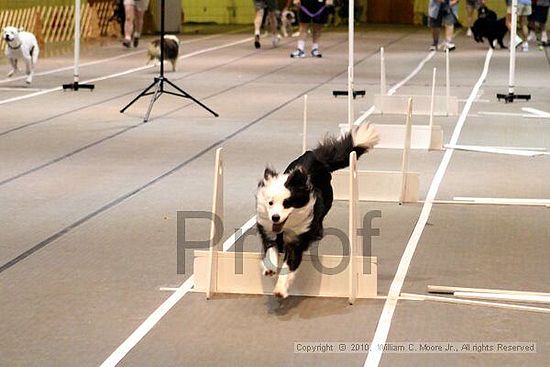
(89, 199)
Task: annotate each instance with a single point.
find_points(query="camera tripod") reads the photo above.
(156, 89)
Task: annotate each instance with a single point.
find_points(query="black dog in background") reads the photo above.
(487, 26)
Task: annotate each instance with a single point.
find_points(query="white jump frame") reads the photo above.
(425, 137)
(388, 186)
(215, 270)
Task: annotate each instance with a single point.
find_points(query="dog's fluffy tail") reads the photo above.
(334, 152)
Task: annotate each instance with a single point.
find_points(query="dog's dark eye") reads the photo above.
(270, 203)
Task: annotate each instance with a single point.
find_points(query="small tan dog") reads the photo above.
(171, 50)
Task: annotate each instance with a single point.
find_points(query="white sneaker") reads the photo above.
(297, 54)
(469, 32)
(316, 53)
(532, 36)
(525, 47)
(450, 46)
(518, 41)
(275, 40)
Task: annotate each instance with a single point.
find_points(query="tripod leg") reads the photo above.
(139, 96)
(156, 96)
(187, 95)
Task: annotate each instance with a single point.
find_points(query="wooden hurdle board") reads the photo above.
(397, 104)
(354, 276)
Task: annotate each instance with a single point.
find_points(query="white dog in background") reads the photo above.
(20, 44)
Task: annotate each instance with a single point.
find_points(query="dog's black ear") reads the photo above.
(269, 173)
(297, 178)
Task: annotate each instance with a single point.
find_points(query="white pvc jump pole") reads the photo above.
(217, 213)
(353, 215)
(77, 41)
(406, 149)
(511, 96)
(351, 49)
(447, 81)
(75, 85)
(432, 106)
(512, 46)
(304, 131)
(350, 97)
(382, 73)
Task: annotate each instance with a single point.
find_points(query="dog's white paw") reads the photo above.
(280, 292)
(268, 271)
(270, 262)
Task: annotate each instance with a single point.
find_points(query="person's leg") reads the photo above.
(301, 44)
(523, 13)
(257, 26)
(316, 30)
(524, 28)
(272, 18)
(435, 37)
(138, 26)
(543, 20)
(449, 32)
(128, 24)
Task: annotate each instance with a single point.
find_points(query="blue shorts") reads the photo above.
(313, 11)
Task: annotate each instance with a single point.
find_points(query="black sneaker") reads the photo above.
(257, 41)
(126, 43)
(136, 41)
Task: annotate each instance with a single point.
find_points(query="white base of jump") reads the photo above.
(397, 104)
(393, 137)
(308, 282)
(378, 186)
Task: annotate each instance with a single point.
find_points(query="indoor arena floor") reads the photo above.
(89, 200)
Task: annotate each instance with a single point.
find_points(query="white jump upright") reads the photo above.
(389, 103)
(383, 86)
(304, 129)
(353, 214)
(405, 157)
(217, 214)
(447, 83)
(216, 271)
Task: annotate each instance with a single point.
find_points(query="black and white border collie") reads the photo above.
(291, 206)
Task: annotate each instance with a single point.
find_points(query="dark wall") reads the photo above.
(390, 11)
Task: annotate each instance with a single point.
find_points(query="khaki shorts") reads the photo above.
(522, 10)
(140, 5)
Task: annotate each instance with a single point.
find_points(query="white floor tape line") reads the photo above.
(148, 324)
(384, 323)
(129, 71)
(167, 305)
(394, 89)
